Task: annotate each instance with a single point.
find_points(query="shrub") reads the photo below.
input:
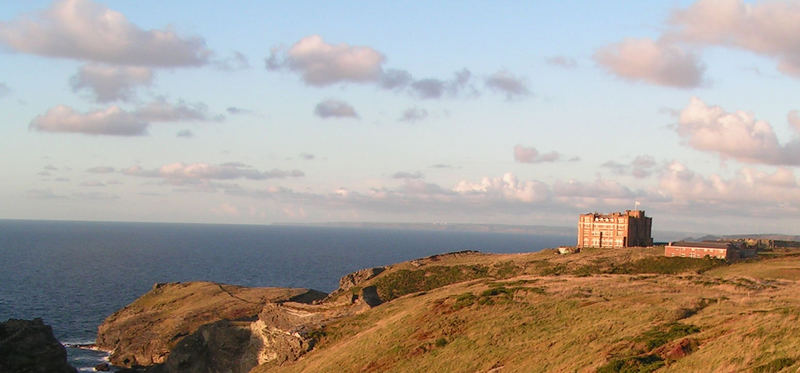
(441, 342)
(406, 281)
(774, 366)
(505, 269)
(667, 265)
(633, 364)
(464, 300)
(659, 336)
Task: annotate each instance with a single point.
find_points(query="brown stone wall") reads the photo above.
(699, 252)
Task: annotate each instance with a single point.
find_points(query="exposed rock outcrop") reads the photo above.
(283, 332)
(220, 347)
(352, 281)
(209, 327)
(30, 346)
(144, 332)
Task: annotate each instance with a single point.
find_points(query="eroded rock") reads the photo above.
(144, 332)
(30, 346)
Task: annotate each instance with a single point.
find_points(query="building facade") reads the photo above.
(720, 250)
(618, 229)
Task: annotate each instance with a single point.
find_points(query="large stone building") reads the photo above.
(618, 229)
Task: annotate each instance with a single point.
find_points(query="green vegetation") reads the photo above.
(402, 282)
(659, 336)
(669, 265)
(634, 364)
(464, 300)
(621, 310)
(774, 366)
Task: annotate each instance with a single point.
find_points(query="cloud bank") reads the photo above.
(335, 109)
(179, 172)
(768, 28)
(85, 30)
(505, 82)
(321, 64)
(524, 154)
(115, 121)
(111, 83)
(655, 62)
(737, 135)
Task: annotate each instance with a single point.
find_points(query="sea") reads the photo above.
(75, 274)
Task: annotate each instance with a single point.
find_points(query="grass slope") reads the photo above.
(600, 310)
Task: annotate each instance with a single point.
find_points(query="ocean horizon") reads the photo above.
(73, 274)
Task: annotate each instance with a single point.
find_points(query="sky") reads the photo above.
(513, 112)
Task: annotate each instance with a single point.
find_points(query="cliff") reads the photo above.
(144, 332)
(30, 346)
(598, 310)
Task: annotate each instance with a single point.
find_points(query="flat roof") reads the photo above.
(703, 245)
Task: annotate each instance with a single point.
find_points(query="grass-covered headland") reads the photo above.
(610, 310)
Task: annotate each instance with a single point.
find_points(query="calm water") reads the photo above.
(74, 274)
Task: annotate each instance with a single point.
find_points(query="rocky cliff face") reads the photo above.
(144, 332)
(216, 328)
(351, 283)
(282, 332)
(29, 346)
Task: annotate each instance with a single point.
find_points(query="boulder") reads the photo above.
(29, 346)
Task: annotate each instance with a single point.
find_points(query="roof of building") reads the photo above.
(703, 245)
(631, 213)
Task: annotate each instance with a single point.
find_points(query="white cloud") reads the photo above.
(750, 192)
(186, 134)
(562, 61)
(181, 173)
(505, 187)
(430, 88)
(111, 83)
(335, 109)
(414, 114)
(408, 175)
(115, 121)
(4, 90)
(395, 79)
(641, 167)
(794, 119)
(322, 64)
(101, 170)
(736, 135)
(163, 111)
(84, 30)
(769, 28)
(238, 61)
(524, 154)
(605, 189)
(111, 121)
(505, 82)
(233, 110)
(656, 62)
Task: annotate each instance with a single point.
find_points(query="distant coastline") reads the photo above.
(661, 236)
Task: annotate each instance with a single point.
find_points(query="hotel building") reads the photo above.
(618, 229)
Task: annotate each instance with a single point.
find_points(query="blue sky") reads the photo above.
(462, 112)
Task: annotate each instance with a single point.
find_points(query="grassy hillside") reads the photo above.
(600, 310)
